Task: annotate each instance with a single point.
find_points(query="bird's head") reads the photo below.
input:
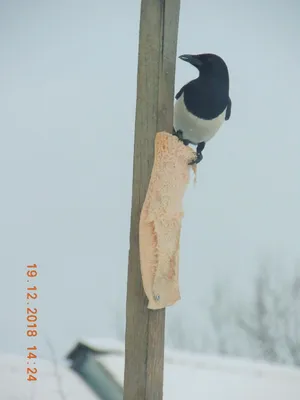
(206, 63)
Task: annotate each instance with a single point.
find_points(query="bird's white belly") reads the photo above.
(194, 129)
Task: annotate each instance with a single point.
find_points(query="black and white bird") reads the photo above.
(202, 104)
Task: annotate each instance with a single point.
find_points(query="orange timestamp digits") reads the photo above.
(31, 319)
(31, 358)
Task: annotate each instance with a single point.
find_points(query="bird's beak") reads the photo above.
(191, 59)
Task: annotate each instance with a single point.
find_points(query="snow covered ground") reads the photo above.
(14, 386)
(211, 377)
(187, 376)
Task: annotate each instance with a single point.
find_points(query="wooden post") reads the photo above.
(145, 329)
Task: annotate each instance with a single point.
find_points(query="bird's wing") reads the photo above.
(228, 110)
(179, 93)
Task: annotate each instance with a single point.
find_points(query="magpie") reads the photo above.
(202, 104)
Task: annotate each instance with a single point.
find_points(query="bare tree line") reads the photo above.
(265, 326)
(272, 321)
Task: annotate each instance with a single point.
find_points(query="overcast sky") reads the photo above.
(67, 106)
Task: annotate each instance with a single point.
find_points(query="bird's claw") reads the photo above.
(199, 156)
(200, 147)
(178, 134)
(197, 159)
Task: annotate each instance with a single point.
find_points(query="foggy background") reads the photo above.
(67, 108)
